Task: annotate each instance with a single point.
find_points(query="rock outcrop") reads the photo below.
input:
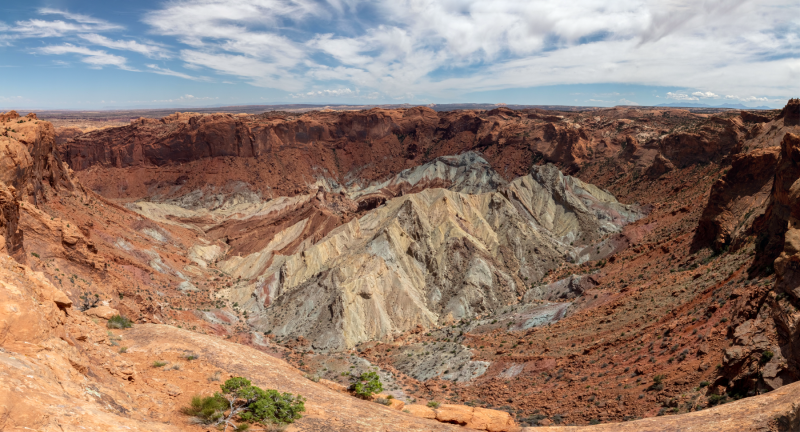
(737, 198)
(430, 258)
(285, 154)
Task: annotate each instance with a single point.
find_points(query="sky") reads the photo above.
(91, 54)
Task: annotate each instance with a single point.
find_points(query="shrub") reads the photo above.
(310, 377)
(123, 350)
(190, 357)
(433, 404)
(766, 356)
(367, 384)
(716, 399)
(250, 404)
(273, 407)
(658, 382)
(159, 363)
(383, 401)
(119, 322)
(208, 409)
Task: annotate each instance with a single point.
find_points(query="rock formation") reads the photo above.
(513, 268)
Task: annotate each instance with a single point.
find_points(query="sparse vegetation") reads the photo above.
(658, 382)
(433, 404)
(159, 363)
(119, 322)
(716, 399)
(246, 404)
(367, 384)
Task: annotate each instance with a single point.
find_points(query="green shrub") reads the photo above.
(433, 404)
(249, 404)
(383, 401)
(208, 409)
(658, 382)
(119, 322)
(367, 384)
(273, 407)
(766, 356)
(159, 363)
(716, 399)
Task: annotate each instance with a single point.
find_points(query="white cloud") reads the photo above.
(185, 98)
(705, 95)
(10, 98)
(681, 96)
(163, 71)
(99, 24)
(627, 102)
(445, 47)
(149, 50)
(329, 92)
(94, 58)
(38, 28)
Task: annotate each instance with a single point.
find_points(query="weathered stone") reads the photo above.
(103, 312)
(421, 411)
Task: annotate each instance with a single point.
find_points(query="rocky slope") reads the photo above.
(466, 255)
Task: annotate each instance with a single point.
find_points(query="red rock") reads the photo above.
(103, 312)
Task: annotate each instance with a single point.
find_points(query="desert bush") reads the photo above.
(367, 384)
(716, 399)
(433, 404)
(311, 377)
(241, 400)
(207, 409)
(658, 382)
(766, 356)
(383, 401)
(159, 363)
(119, 322)
(87, 301)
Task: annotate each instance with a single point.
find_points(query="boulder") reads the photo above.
(61, 300)
(459, 414)
(103, 312)
(477, 418)
(421, 411)
(492, 420)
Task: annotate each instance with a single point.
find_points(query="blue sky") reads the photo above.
(67, 54)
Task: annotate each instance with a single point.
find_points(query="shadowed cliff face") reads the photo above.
(283, 155)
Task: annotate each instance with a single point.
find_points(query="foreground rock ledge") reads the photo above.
(329, 410)
(778, 410)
